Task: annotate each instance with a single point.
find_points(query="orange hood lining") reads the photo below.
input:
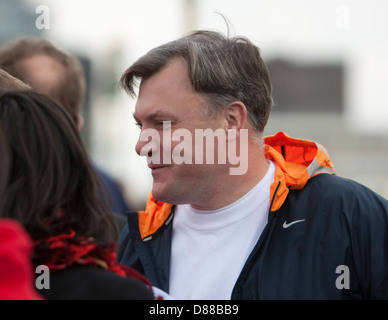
(297, 160)
(154, 216)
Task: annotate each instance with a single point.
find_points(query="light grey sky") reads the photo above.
(302, 27)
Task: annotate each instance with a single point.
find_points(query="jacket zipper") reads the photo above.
(267, 230)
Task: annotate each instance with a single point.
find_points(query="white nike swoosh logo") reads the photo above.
(287, 225)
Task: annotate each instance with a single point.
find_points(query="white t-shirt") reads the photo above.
(210, 248)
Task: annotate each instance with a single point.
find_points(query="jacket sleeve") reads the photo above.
(367, 222)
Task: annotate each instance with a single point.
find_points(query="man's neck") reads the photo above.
(233, 187)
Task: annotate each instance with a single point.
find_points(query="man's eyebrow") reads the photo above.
(155, 115)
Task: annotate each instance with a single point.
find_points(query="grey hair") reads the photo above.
(223, 69)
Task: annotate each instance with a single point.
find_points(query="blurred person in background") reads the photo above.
(53, 192)
(286, 227)
(59, 75)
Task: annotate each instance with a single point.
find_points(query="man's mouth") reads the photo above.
(156, 166)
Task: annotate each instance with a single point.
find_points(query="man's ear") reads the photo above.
(236, 115)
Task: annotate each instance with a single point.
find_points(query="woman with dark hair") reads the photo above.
(53, 192)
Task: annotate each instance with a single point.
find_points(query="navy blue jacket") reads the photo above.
(326, 236)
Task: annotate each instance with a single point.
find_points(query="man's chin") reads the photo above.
(160, 194)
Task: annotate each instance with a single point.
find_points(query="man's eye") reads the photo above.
(163, 124)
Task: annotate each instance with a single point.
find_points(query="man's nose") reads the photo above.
(139, 145)
(148, 143)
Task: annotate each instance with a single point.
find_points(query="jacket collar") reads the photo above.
(297, 161)
(156, 214)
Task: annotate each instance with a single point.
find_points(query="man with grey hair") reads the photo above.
(285, 228)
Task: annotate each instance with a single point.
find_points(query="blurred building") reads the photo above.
(307, 87)
(310, 103)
